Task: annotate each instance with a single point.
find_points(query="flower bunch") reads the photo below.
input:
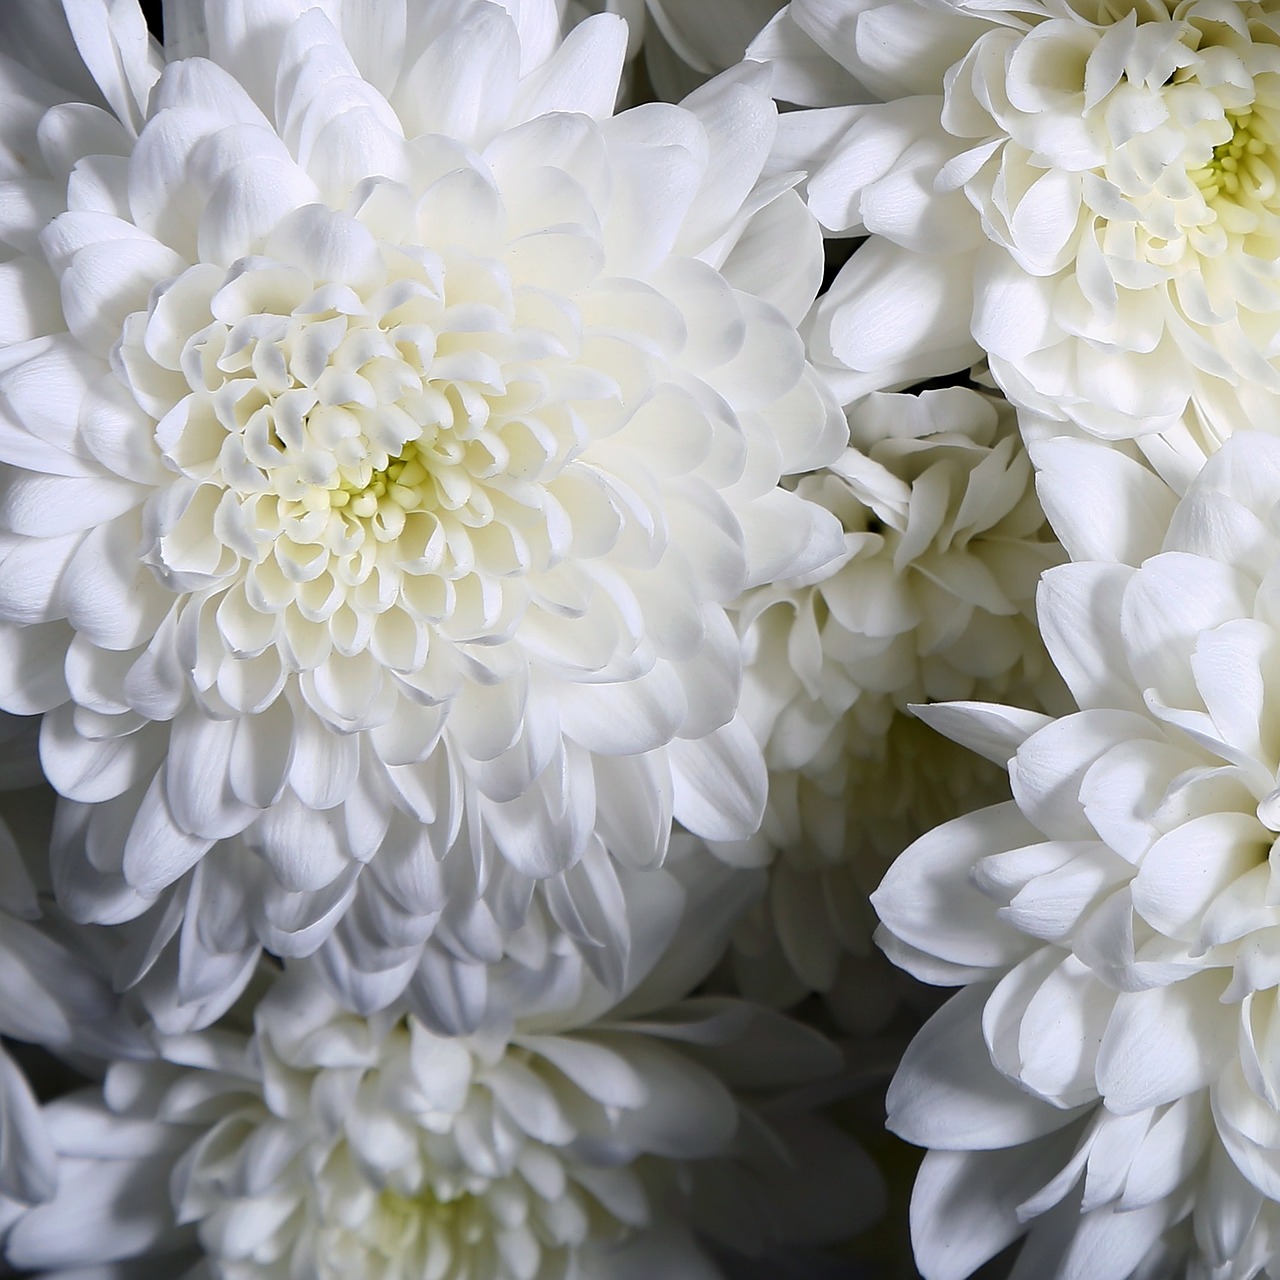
(530, 530)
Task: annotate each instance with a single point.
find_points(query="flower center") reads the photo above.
(1241, 171)
(388, 495)
(399, 1223)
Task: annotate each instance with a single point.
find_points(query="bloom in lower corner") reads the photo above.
(323, 1144)
(380, 457)
(1106, 1081)
(1086, 190)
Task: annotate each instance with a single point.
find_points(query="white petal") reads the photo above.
(1186, 869)
(947, 1095)
(28, 1162)
(993, 731)
(964, 1204)
(245, 37)
(752, 265)
(158, 851)
(602, 1071)
(895, 318)
(1078, 608)
(720, 782)
(104, 1209)
(688, 1113)
(465, 81)
(303, 847)
(582, 75)
(1049, 768)
(118, 53)
(1081, 486)
(31, 304)
(1164, 1044)
(1166, 604)
(803, 72)
(740, 121)
(927, 900)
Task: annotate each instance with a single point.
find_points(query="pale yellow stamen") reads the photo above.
(389, 495)
(1242, 170)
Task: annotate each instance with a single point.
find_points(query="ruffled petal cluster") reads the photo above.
(386, 428)
(1107, 1079)
(1087, 190)
(932, 600)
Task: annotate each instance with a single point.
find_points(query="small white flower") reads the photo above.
(1088, 190)
(1107, 1080)
(932, 600)
(387, 427)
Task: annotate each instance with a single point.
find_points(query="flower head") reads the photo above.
(1088, 189)
(1115, 922)
(406, 449)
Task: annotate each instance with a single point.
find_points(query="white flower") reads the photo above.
(326, 1145)
(1088, 190)
(387, 427)
(933, 599)
(1108, 1079)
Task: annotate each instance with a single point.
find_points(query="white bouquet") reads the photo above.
(563, 564)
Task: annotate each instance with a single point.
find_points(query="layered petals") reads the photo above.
(1116, 921)
(416, 420)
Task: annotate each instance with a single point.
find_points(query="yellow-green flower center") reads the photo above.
(1241, 173)
(398, 1221)
(388, 495)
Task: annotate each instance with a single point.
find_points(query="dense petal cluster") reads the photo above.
(370, 554)
(1087, 189)
(327, 1145)
(1111, 1065)
(933, 599)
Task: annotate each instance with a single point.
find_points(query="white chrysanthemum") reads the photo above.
(325, 1145)
(1089, 188)
(386, 429)
(933, 599)
(1108, 1079)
